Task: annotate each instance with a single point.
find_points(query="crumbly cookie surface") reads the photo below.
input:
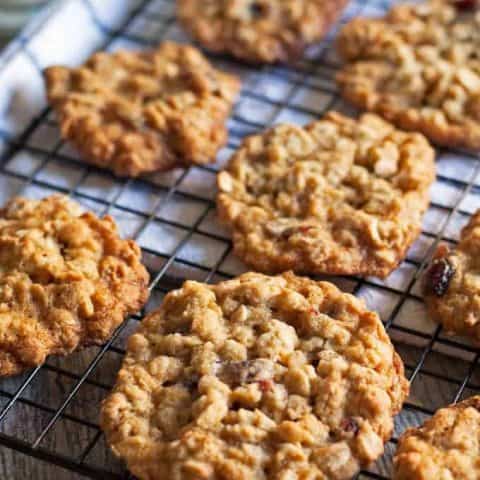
(66, 280)
(445, 447)
(139, 112)
(339, 196)
(259, 30)
(452, 283)
(254, 378)
(419, 67)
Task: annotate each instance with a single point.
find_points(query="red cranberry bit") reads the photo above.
(265, 385)
(248, 371)
(257, 9)
(438, 276)
(350, 425)
(466, 4)
(303, 229)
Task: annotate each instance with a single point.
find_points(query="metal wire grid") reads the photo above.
(83, 375)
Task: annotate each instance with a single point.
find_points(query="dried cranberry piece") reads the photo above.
(303, 229)
(265, 385)
(466, 4)
(350, 425)
(248, 371)
(257, 9)
(439, 275)
(348, 428)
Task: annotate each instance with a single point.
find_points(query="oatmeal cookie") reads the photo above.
(139, 112)
(419, 67)
(66, 280)
(264, 31)
(339, 196)
(452, 283)
(254, 378)
(446, 447)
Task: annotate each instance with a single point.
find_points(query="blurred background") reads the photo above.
(14, 14)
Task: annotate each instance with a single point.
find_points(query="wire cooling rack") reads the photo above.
(51, 413)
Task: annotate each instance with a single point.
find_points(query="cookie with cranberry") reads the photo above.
(134, 112)
(418, 67)
(445, 447)
(256, 377)
(338, 196)
(264, 31)
(452, 283)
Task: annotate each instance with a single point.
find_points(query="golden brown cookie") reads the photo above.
(418, 67)
(66, 280)
(446, 447)
(139, 112)
(254, 378)
(263, 31)
(339, 196)
(452, 284)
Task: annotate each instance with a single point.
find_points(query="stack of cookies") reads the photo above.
(270, 375)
